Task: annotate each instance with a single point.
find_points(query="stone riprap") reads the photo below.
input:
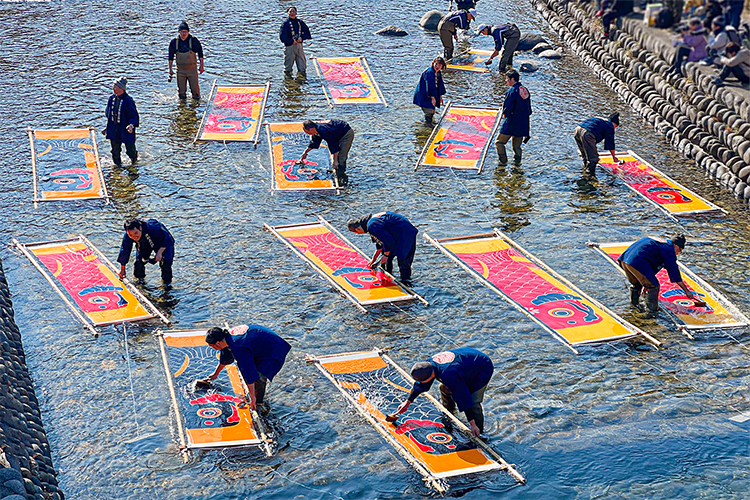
(706, 123)
(26, 471)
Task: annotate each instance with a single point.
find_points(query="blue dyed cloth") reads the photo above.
(258, 351)
(603, 130)
(516, 110)
(121, 112)
(464, 371)
(154, 237)
(430, 85)
(394, 232)
(648, 256)
(331, 131)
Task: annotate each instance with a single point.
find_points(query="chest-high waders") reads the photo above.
(187, 70)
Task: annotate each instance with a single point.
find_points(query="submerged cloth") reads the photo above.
(121, 112)
(464, 371)
(603, 130)
(430, 85)
(154, 237)
(259, 351)
(293, 29)
(395, 232)
(648, 256)
(516, 111)
(331, 131)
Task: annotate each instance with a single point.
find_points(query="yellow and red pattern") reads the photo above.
(655, 186)
(471, 61)
(66, 164)
(377, 387)
(348, 80)
(94, 288)
(462, 138)
(287, 142)
(569, 313)
(673, 299)
(334, 257)
(235, 113)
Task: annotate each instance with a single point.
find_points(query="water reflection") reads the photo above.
(294, 101)
(185, 120)
(591, 194)
(513, 197)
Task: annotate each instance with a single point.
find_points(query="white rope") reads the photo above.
(130, 377)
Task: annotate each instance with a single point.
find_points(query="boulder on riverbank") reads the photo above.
(527, 66)
(528, 40)
(541, 47)
(431, 20)
(391, 31)
(551, 54)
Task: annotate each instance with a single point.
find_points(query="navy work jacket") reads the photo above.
(121, 112)
(331, 131)
(394, 232)
(258, 351)
(464, 371)
(603, 130)
(649, 256)
(430, 85)
(154, 237)
(497, 34)
(292, 29)
(460, 18)
(516, 109)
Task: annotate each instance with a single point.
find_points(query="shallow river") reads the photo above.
(617, 421)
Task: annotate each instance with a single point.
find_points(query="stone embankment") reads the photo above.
(26, 471)
(706, 123)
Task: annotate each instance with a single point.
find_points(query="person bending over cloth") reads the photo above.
(394, 236)
(593, 131)
(646, 257)
(259, 351)
(149, 236)
(463, 374)
(447, 28)
(502, 32)
(339, 137)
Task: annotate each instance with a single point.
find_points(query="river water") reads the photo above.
(617, 421)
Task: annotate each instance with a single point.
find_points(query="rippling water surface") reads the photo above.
(617, 421)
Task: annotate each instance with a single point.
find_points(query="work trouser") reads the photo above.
(446, 397)
(587, 145)
(345, 143)
(512, 37)
(404, 265)
(446, 30)
(117, 151)
(682, 52)
(502, 155)
(295, 54)
(638, 282)
(737, 71)
(429, 114)
(260, 389)
(139, 267)
(185, 76)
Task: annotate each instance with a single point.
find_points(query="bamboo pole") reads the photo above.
(74, 308)
(489, 140)
(178, 414)
(374, 82)
(205, 112)
(262, 115)
(30, 131)
(302, 256)
(126, 282)
(435, 130)
(439, 486)
(492, 287)
(407, 289)
(323, 81)
(99, 166)
(505, 465)
(274, 185)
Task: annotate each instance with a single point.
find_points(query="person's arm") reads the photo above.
(382, 234)
(305, 32)
(335, 159)
(374, 259)
(200, 56)
(609, 143)
(416, 390)
(125, 248)
(216, 372)
(732, 61)
(284, 36)
(251, 394)
(171, 55)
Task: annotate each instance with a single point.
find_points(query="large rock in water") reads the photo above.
(431, 20)
(526, 66)
(391, 31)
(551, 54)
(541, 47)
(528, 40)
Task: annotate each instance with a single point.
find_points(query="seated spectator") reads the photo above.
(713, 10)
(717, 42)
(737, 63)
(692, 46)
(694, 8)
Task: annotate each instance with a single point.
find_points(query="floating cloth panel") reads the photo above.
(536, 290)
(718, 313)
(287, 142)
(235, 113)
(66, 165)
(656, 187)
(348, 80)
(215, 417)
(341, 263)
(461, 138)
(376, 386)
(87, 282)
(471, 61)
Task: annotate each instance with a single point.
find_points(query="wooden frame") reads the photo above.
(365, 65)
(261, 116)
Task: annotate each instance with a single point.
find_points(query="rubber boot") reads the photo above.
(635, 295)
(652, 303)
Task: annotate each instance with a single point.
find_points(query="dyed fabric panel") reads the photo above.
(348, 80)
(472, 60)
(287, 142)
(235, 113)
(215, 417)
(463, 138)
